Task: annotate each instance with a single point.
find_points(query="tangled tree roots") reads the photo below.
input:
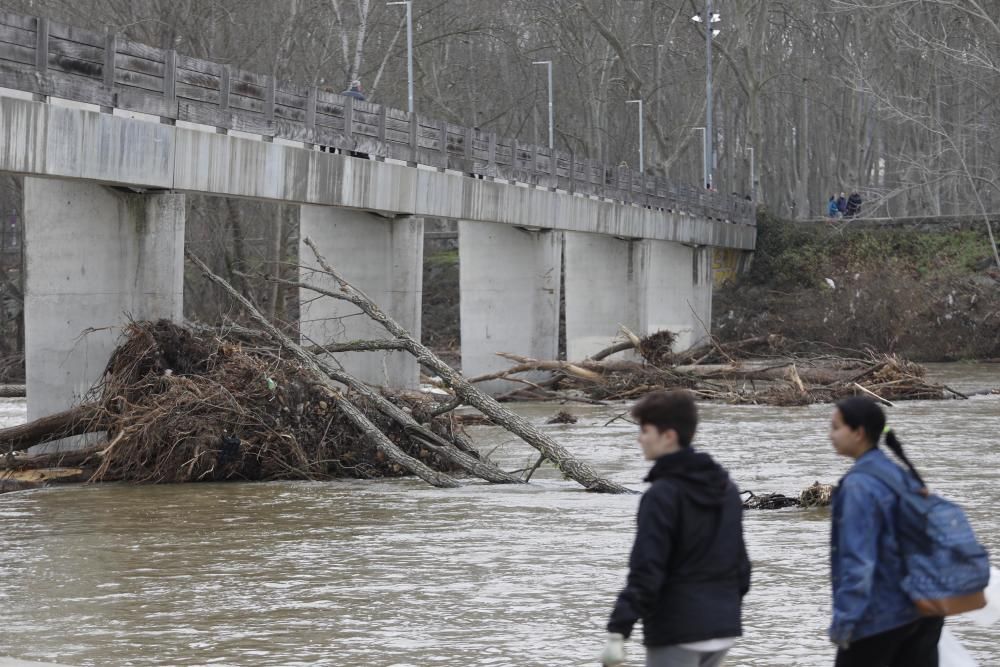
(182, 407)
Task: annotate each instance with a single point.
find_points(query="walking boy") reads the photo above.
(689, 570)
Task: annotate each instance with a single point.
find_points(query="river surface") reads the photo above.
(397, 573)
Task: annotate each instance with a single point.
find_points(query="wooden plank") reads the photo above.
(248, 84)
(42, 46)
(195, 78)
(18, 21)
(79, 35)
(18, 36)
(143, 101)
(55, 84)
(190, 93)
(290, 113)
(243, 103)
(139, 65)
(287, 98)
(23, 55)
(136, 80)
(130, 49)
(198, 65)
(76, 67)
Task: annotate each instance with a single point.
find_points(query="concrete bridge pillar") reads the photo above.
(674, 290)
(601, 291)
(509, 284)
(93, 258)
(383, 257)
(646, 285)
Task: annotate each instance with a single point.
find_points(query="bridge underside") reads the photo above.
(96, 257)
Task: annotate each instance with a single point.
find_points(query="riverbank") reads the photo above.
(927, 293)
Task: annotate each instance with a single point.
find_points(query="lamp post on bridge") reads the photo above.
(753, 175)
(642, 163)
(409, 51)
(708, 19)
(548, 64)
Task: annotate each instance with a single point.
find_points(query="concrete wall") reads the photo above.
(601, 291)
(383, 257)
(46, 140)
(674, 290)
(509, 285)
(93, 258)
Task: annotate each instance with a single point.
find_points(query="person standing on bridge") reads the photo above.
(689, 570)
(354, 90)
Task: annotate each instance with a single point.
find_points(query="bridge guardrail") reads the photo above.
(52, 59)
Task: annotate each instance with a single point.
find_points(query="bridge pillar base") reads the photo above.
(601, 291)
(510, 287)
(94, 258)
(674, 290)
(381, 257)
(646, 285)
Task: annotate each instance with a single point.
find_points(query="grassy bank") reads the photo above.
(929, 294)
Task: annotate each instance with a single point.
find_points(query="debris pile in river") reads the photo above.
(817, 495)
(757, 371)
(184, 405)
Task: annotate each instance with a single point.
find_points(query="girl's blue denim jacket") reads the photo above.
(867, 566)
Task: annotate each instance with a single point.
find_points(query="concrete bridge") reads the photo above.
(111, 134)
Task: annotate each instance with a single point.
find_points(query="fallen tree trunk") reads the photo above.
(465, 390)
(379, 439)
(75, 421)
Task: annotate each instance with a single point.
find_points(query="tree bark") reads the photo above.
(75, 421)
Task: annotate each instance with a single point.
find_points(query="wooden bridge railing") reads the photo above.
(50, 59)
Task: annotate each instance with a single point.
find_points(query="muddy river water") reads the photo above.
(397, 573)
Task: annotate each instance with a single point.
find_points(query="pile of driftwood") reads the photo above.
(758, 371)
(179, 404)
(817, 495)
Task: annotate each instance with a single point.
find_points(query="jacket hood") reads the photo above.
(699, 477)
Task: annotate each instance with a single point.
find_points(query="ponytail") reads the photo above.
(893, 443)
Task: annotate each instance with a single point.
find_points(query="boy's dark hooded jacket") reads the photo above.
(689, 570)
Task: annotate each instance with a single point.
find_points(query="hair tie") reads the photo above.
(887, 430)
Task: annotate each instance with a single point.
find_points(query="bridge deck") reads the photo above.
(50, 59)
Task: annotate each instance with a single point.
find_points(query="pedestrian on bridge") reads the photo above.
(354, 90)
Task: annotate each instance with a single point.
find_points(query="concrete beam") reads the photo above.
(93, 259)
(601, 291)
(509, 284)
(381, 257)
(45, 140)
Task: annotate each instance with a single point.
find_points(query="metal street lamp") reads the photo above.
(708, 18)
(753, 175)
(642, 163)
(548, 64)
(409, 51)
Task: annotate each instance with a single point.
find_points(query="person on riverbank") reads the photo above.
(688, 570)
(875, 623)
(832, 210)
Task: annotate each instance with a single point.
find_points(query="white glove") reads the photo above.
(614, 650)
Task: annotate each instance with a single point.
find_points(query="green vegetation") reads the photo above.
(800, 255)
